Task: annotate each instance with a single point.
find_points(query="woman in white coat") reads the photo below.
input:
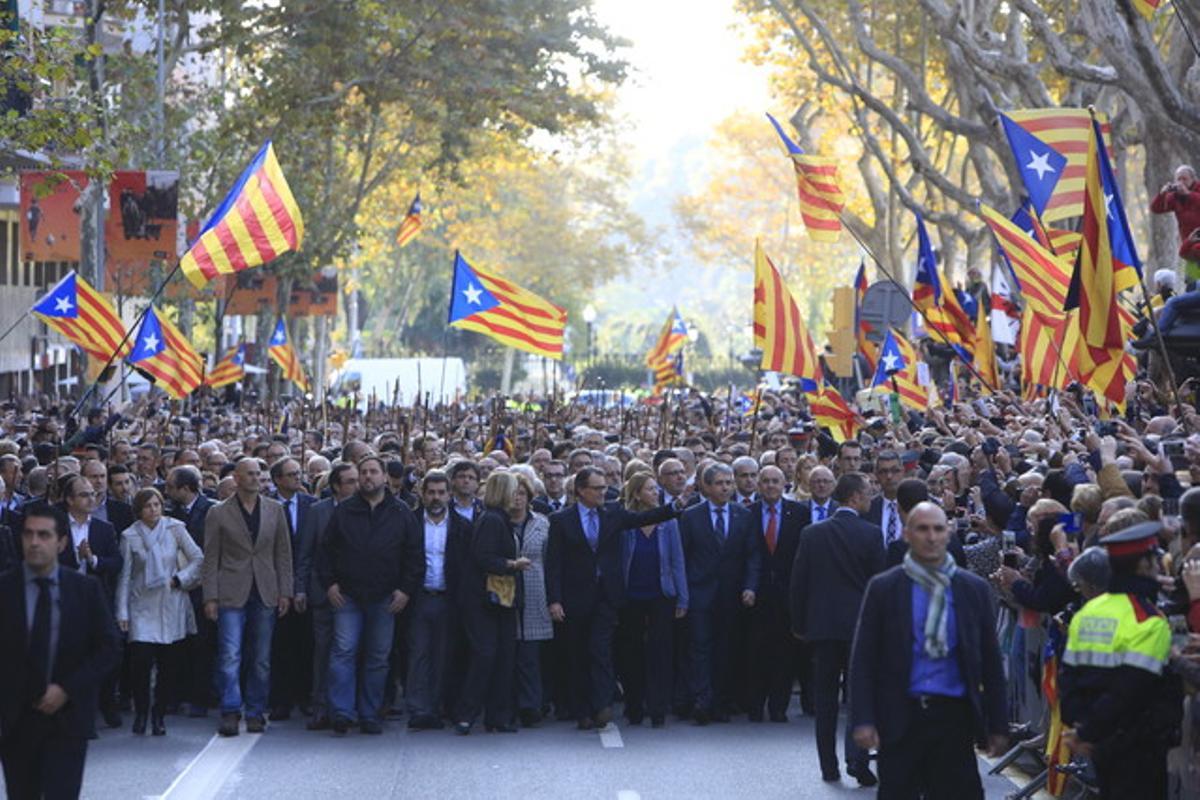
(533, 622)
(161, 564)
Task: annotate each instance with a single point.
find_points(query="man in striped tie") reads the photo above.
(885, 510)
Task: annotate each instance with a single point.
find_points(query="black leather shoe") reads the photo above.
(340, 726)
(158, 726)
(501, 728)
(424, 722)
(863, 775)
(831, 777)
(320, 723)
(701, 716)
(585, 724)
(603, 717)
(635, 719)
(779, 716)
(139, 723)
(529, 718)
(112, 717)
(754, 716)
(255, 725)
(657, 722)
(721, 717)
(370, 727)
(229, 725)
(462, 728)
(280, 714)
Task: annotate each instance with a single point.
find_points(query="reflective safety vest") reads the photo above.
(1119, 630)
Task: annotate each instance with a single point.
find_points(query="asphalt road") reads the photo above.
(738, 759)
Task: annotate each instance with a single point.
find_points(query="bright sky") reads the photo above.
(688, 74)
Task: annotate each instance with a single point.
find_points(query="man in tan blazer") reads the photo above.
(247, 583)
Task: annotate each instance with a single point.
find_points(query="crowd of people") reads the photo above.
(527, 565)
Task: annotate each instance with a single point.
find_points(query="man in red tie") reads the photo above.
(772, 659)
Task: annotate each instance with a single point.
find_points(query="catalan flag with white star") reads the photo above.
(821, 197)
(486, 303)
(230, 369)
(84, 316)
(897, 372)
(257, 222)
(161, 351)
(282, 353)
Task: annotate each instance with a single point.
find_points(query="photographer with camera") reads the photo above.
(1180, 197)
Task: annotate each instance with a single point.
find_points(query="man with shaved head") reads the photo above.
(926, 677)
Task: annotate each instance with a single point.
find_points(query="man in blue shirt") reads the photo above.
(926, 678)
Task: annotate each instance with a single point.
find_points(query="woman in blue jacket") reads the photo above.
(655, 593)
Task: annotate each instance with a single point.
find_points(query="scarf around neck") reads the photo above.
(935, 581)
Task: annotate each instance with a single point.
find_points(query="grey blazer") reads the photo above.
(232, 562)
(536, 624)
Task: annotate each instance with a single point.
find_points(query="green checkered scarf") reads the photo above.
(934, 581)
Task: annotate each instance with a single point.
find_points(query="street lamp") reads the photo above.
(589, 316)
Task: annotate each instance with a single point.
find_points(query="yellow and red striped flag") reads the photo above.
(866, 348)
(282, 353)
(410, 226)
(1067, 131)
(230, 369)
(1043, 279)
(666, 358)
(985, 352)
(821, 197)
(256, 222)
(830, 410)
(161, 351)
(84, 316)
(1147, 7)
(1041, 340)
(779, 330)
(486, 303)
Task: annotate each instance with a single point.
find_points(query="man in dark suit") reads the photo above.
(59, 642)
(911, 492)
(724, 561)
(115, 512)
(464, 490)
(926, 677)
(585, 588)
(292, 646)
(434, 624)
(821, 505)
(772, 657)
(673, 485)
(191, 507)
(555, 498)
(884, 510)
(94, 550)
(833, 563)
(310, 597)
(745, 481)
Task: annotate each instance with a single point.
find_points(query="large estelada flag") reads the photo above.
(1042, 278)
(1107, 264)
(256, 222)
(934, 295)
(84, 316)
(1066, 131)
(665, 358)
(779, 329)
(821, 197)
(282, 352)
(486, 303)
(162, 351)
(830, 410)
(230, 369)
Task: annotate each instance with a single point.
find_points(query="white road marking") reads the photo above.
(628, 794)
(610, 736)
(208, 771)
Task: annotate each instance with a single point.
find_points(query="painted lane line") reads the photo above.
(208, 771)
(610, 736)
(628, 794)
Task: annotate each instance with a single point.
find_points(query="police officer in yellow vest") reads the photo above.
(1124, 711)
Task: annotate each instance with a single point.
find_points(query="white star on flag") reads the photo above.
(62, 305)
(1108, 198)
(1040, 164)
(889, 362)
(473, 294)
(150, 343)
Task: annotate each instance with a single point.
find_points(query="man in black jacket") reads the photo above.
(585, 588)
(370, 564)
(59, 641)
(834, 561)
(117, 513)
(433, 629)
(926, 677)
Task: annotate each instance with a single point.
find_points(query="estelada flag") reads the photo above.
(230, 369)
(411, 225)
(83, 315)
(282, 353)
(821, 197)
(162, 351)
(256, 222)
(486, 303)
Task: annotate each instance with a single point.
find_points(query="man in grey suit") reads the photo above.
(247, 580)
(343, 483)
